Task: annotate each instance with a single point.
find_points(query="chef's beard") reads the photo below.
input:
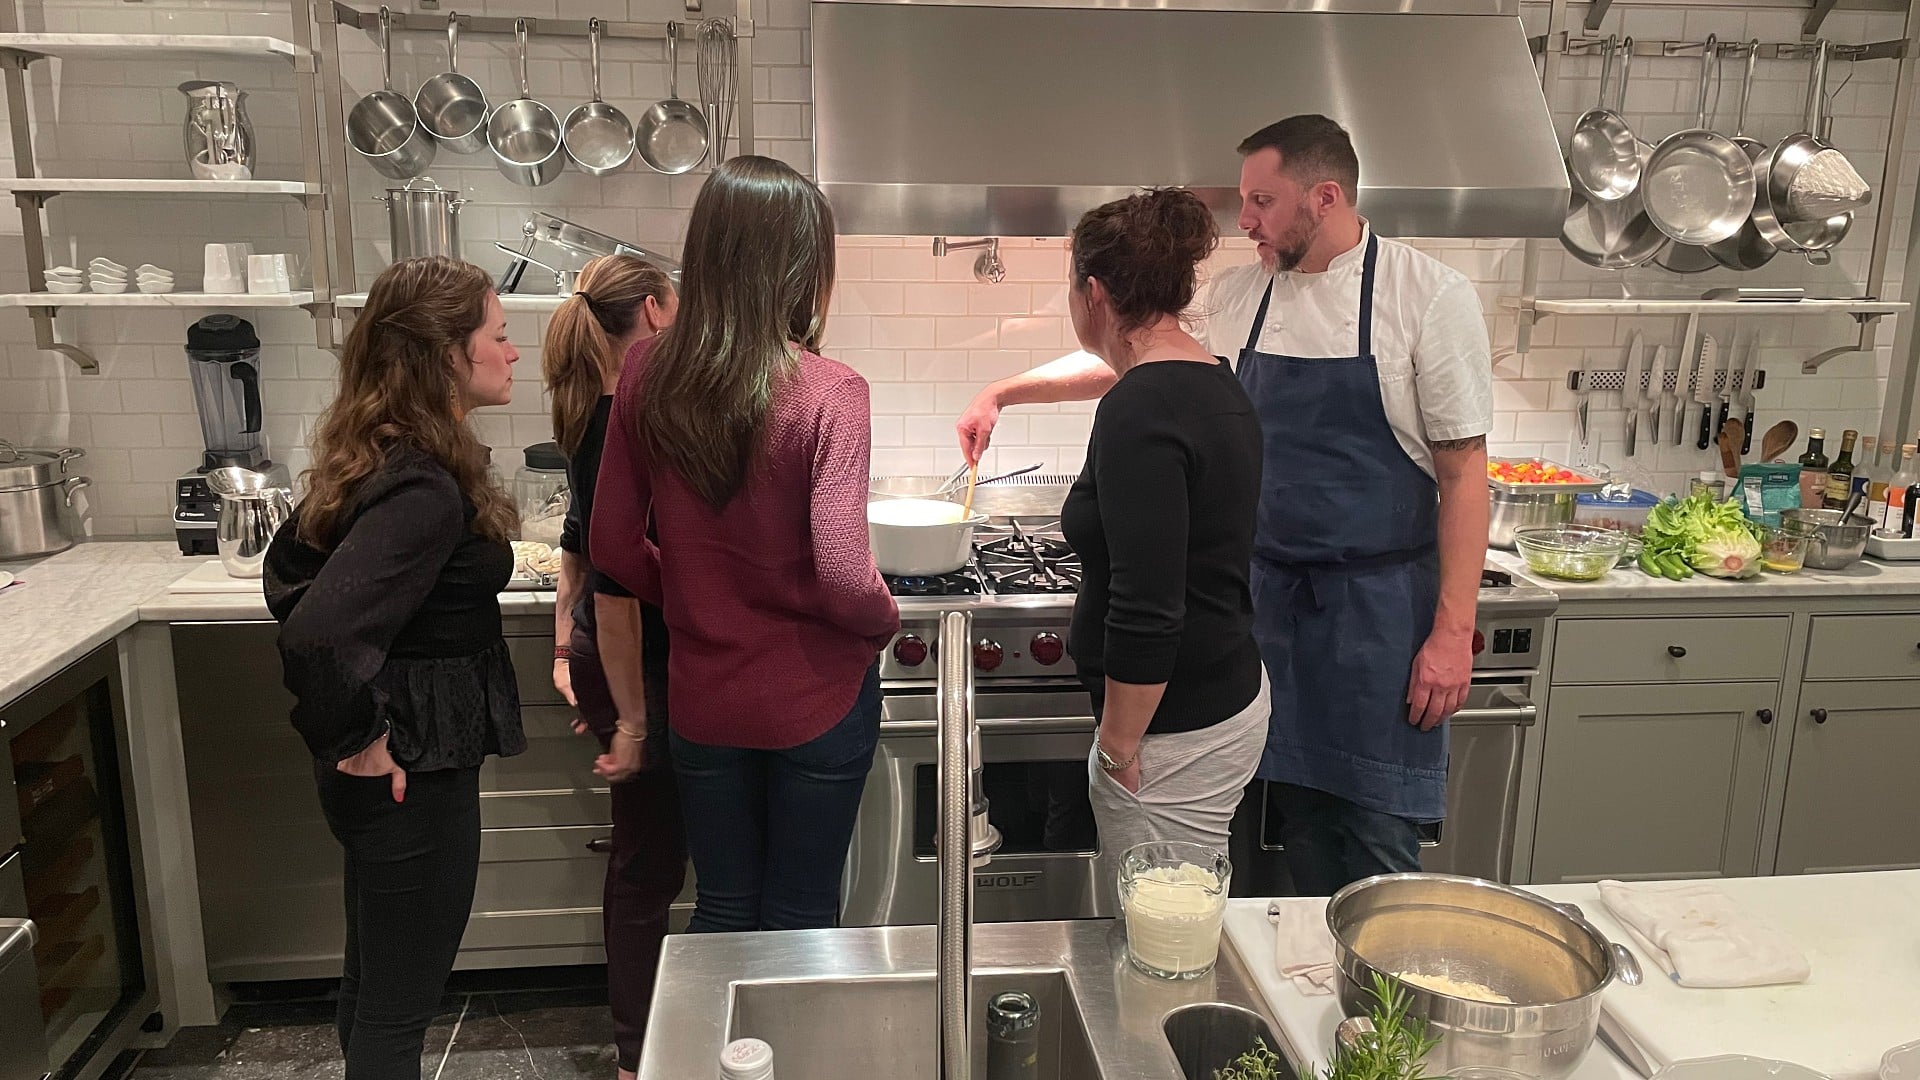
(1291, 249)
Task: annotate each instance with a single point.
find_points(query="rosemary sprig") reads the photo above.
(1259, 1063)
(1394, 1049)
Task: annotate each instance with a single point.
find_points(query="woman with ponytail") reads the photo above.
(609, 649)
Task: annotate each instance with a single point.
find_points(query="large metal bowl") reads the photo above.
(1838, 541)
(1549, 960)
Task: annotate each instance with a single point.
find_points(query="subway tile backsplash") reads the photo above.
(924, 332)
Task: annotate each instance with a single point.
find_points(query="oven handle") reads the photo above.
(1519, 714)
(1039, 725)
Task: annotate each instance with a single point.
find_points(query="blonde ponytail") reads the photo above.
(580, 350)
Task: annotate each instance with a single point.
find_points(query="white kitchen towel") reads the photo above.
(1701, 938)
(1302, 944)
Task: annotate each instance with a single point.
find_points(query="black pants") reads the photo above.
(410, 870)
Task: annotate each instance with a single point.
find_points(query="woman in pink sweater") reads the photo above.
(749, 451)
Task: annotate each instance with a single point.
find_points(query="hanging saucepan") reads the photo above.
(1617, 234)
(1777, 171)
(451, 105)
(1603, 155)
(524, 133)
(1747, 249)
(1698, 186)
(672, 134)
(598, 136)
(383, 126)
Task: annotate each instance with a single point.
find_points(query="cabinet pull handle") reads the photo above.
(1819, 716)
(600, 845)
(1676, 651)
(1765, 715)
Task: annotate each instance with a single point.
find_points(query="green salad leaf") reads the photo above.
(1715, 538)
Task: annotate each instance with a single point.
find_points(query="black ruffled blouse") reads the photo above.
(397, 630)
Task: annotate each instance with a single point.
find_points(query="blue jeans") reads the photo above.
(1332, 842)
(768, 830)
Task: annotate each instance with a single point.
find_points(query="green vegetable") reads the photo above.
(1714, 538)
(1258, 1063)
(1649, 565)
(1396, 1046)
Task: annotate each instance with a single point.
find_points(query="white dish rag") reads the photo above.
(1701, 938)
(1302, 944)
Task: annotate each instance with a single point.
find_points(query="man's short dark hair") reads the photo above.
(1313, 149)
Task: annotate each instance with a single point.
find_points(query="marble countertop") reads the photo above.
(1868, 577)
(64, 606)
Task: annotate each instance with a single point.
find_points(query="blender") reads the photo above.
(223, 363)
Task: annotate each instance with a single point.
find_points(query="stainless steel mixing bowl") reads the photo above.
(1547, 958)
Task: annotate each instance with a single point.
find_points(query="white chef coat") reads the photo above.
(1429, 335)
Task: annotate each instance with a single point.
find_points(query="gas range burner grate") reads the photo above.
(958, 583)
(1028, 558)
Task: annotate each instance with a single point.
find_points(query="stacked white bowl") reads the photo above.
(153, 279)
(106, 276)
(66, 280)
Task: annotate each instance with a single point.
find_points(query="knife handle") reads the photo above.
(1706, 427)
(1746, 444)
(1720, 418)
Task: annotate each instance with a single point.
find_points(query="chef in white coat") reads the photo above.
(1369, 365)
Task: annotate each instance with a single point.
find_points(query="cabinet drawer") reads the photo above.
(1670, 650)
(1865, 647)
(539, 870)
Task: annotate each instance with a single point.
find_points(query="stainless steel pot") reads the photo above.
(1546, 958)
(524, 133)
(423, 218)
(1838, 541)
(915, 549)
(1511, 510)
(36, 501)
(383, 126)
(451, 105)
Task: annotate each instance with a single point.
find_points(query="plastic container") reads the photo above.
(540, 493)
(1571, 552)
(1901, 1063)
(746, 1059)
(1627, 515)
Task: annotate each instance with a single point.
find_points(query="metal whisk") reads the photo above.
(718, 79)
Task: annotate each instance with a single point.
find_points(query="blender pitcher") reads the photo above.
(223, 360)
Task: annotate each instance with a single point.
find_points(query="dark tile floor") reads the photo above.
(551, 1026)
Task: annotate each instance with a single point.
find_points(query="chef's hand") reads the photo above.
(376, 761)
(563, 679)
(975, 426)
(1441, 671)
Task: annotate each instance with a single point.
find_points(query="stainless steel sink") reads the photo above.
(884, 1026)
(860, 1002)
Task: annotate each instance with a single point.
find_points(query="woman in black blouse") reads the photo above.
(613, 667)
(1162, 518)
(386, 583)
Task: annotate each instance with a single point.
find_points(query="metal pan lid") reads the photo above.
(26, 466)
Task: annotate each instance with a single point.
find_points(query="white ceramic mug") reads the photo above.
(268, 274)
(226, 268)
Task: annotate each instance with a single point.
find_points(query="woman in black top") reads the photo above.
(386, 584)
(617, 667)
(1162, 518)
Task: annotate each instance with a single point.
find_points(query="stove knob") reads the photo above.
(1047, 648)
(909, 650)
(1479, 643)
(987, 654)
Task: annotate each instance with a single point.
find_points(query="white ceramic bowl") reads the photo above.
(154, 275)
(107, 265)
(149, 268)
(153, 287)
(65, 288)
(109, 286)
(1737, 1067)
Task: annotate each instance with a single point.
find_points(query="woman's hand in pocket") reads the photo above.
(375, 760)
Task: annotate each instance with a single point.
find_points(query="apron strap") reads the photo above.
(1259, 320)
(1366, 293)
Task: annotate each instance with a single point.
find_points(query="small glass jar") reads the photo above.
(1174, 897)
(1783, 547)
(1710, 482)
(540, 493)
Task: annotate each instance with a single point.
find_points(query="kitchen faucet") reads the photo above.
(963, 827)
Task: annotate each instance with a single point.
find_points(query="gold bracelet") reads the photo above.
(636, 736)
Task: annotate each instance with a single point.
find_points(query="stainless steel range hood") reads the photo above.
(936, 118)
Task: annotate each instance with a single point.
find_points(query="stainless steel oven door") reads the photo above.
(1035, 741)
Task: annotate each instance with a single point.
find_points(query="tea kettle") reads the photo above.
(252, 509)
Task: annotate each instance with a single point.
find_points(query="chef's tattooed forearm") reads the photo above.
(1474, 442)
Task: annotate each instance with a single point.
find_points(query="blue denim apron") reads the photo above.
(1346, 577)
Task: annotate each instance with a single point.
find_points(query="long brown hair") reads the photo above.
(581, 345)
(398, 388)
(755, 279)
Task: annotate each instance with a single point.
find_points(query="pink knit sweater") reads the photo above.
(774, 607)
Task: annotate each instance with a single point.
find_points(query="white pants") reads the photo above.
(1190, 783)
